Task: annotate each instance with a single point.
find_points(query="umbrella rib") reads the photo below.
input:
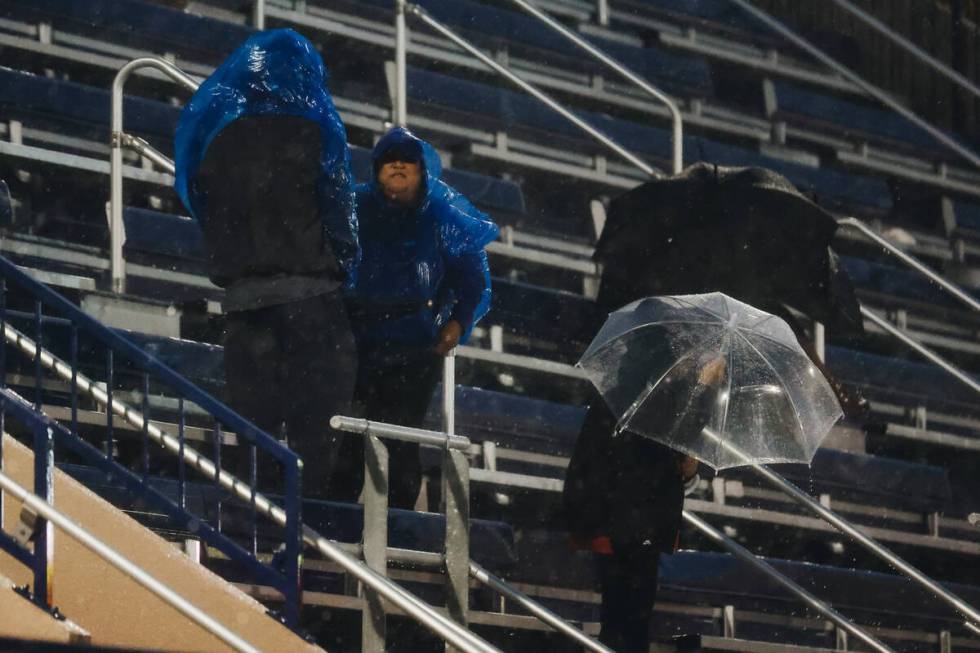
(728, 395)
(620, 336)
(680, 298)
(638, 402)
(789, 396)
(769, 338)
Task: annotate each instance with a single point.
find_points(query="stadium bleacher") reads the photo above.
(524, 398)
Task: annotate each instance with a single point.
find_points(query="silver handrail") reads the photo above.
(414, 607)
(477, 572)
(868, 542)
(117, 229)
(847, 528)
(677, 126)
(927, 353)
(785, 581)
(114, 558)
(866, 86)
(912, 262)
(505, 72)
(908, 46)
(542, 613)
(401, 65)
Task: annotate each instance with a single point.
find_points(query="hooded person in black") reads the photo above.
(263, 165)
(624, 495)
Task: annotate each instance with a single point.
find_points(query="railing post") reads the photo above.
(373, 627)
(258, 14)
(293, 564)
(43, 530)
(456, 493)
(117, 228)
(602, 12)
(401, 65)
(456, 499)
(820, 341)
(449, 393)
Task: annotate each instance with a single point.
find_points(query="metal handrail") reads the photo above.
(912, 262)
(439, 440)
(117, 229)
(847, 528)
(505, 72)
(111, 556)
(908, 46)
(868, 542)
(411, 605)
(785, 581)
(927, 353)
(677, 126)
(542, 613)
(866, 86)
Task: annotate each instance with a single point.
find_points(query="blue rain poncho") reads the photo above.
(421, 266)
(275, 72)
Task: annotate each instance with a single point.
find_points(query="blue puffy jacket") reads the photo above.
(421, 266)
(274, 73)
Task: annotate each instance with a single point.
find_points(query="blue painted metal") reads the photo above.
(120, 350)
(110, 381)
(44, 488)
(292, 564)
(21, 553)
(22, 411)
(181, 467)
(37, 354)
(144, 432)
(216, 442)
(73, 361)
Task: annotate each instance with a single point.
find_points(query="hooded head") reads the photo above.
(275, 72)
(402, 145)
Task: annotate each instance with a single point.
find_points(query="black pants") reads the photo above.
(289, 368)
(629, 590)
(396, 393)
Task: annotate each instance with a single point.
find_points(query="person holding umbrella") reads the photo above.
(746, 232)
(623, 499)
(677, 379)
(424, 282)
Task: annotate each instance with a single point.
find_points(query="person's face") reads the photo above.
(401, 181)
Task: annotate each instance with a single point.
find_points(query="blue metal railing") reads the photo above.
(38, 558)
(92, 344)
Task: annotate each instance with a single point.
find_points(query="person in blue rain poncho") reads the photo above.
(424, 282)
(264, 167)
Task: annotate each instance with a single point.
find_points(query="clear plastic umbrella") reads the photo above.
(712, 377)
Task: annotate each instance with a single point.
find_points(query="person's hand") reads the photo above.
(448, 337)
(687, 466)
(713, 372)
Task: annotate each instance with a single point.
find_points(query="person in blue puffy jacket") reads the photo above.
(262, 164)
(423, 283)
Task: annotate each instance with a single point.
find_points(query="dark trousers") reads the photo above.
(397, 393)
(629, 590)
(289, 368)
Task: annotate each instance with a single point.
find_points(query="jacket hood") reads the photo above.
(431, 163)
(274, 72)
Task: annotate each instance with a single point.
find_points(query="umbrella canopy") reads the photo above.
(713, 377)
(746, 232)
